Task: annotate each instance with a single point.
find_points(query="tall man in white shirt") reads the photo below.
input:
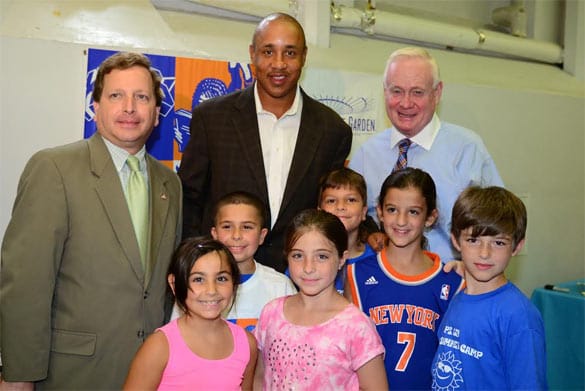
(454, 156)
(271, 140)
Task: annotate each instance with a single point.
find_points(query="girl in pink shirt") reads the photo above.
(199, 350)
(316, 339)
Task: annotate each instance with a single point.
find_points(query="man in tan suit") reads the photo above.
(79, 295)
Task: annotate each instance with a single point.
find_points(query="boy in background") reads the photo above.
(239, 225)
(343, 193)
(491, 336)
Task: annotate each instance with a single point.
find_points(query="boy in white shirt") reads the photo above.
(239, 225)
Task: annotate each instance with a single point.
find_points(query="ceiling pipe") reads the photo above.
(310, 13)
(404, 27)
(241, 11)
(384, 25)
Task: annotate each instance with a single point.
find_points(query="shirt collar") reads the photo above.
(424, 138)
(119, 155)
(293, 109)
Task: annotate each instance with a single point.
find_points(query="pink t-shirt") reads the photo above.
(187, 371)
(321, 357)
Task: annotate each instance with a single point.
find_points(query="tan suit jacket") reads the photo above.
(76, 302)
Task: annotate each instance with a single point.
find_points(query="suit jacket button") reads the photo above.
(140, 334)
(146, 293)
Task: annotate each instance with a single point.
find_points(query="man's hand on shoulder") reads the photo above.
(376, 240)
(456, 265)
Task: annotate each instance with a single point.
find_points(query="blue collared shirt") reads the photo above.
(454, 156)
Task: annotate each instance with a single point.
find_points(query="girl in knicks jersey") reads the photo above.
(403, 288)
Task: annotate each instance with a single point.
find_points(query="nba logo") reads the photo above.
(445, 292)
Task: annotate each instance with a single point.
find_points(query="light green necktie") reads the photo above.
(137, 194)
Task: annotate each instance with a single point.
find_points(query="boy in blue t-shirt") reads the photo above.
(491, 336)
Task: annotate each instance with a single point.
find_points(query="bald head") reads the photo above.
(277, 52)
(278, 17)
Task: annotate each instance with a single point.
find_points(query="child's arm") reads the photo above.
(248, 382)
(372, 375)
(259, 375)
(525, 352)
(149, 363)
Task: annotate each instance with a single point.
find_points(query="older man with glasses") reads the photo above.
(454, 156)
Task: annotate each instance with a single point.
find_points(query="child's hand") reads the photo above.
(15, 386)
(376, 240)
(456, 265)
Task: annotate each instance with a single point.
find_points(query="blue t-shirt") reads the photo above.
(492, 341)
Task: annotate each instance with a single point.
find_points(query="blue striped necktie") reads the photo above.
(401, 162)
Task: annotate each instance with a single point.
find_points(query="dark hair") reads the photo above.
(489, 211)
(410, 177)
(326, 223)
(185, 256)
(278, 16)
(341, 178)
(346, 177)
(123, 61)
(244, 198)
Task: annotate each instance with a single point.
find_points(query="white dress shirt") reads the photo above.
(278, 137)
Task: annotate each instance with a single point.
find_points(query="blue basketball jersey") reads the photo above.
(407, 311)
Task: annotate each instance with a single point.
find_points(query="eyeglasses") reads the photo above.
(399, 93)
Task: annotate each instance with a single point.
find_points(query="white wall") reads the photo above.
(531, 116)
